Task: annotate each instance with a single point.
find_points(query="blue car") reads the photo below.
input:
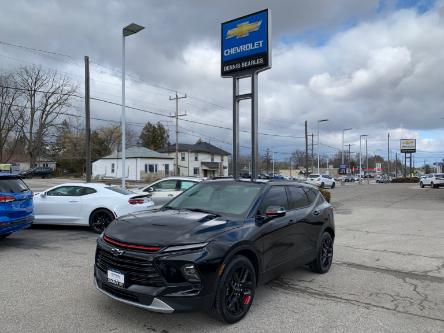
(16, 208)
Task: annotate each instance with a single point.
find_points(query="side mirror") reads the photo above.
(149, 189)
(43, 194)
(275, 211)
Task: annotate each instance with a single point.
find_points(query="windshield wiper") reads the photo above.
(200, 210)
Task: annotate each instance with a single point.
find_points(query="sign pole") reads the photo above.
(254, 127)
(235, 159)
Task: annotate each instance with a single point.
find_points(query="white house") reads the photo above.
(201, 159)
(141, 164)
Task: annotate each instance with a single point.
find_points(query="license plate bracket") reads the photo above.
(116, 278)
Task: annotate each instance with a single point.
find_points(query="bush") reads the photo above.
(326, 194)
(406, 180)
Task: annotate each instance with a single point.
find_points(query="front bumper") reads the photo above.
(160, 296)
(13, 226)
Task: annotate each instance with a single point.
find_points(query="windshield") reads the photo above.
(313, 176)
(119, 190)
(223, 198)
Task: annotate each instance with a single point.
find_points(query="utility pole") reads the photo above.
(349, 156)
(177, 115)
(312, 152)
(388, 153)
(290, 166)
(306, 150)
(87, 124)
(396, 165)
(273, 163)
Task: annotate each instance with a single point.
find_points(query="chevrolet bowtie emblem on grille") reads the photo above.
(116, 252)
(243, 29)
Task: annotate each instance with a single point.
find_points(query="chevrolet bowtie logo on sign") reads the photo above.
(243, 29)
(245, 44)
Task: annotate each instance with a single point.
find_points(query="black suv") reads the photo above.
(212, 245)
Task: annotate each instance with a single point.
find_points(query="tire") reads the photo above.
(324, 257)
(432, 185)
(233, 296)
(322, 185)
(4, 236)
(333, 185)
(100, 219)
(421, 185)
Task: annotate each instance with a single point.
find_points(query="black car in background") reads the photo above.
(42, 172)
(212, 245)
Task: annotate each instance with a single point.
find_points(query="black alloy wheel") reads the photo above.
(421, 185)
(324, 258)
(333, 185)
(4, 236)
(100, 219)
(236, 289)
(322, 185)
(432, 185)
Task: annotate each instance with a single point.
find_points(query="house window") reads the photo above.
(196, 156)
(182, 156)
(195, 171)
(146, 168)
(112, 167)
(212, 157)
(152, 168)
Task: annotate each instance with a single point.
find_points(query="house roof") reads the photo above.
(199, 147)
(137, 152)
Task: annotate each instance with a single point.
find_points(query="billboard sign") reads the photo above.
(245, 44)
(408, 146)
(342, 169)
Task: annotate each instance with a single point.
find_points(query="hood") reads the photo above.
(167, 228)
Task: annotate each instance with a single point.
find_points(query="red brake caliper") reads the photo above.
(247, 299)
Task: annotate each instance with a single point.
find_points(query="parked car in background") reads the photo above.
(434, 180)
(42, 172)
(209, 247)
(16, 209)
(349, 179)
(321, 180)
(165, 189)
(384, 179)
(90, 204)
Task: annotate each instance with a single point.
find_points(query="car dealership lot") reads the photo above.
(388, 275)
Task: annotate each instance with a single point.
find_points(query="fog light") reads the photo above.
(190, 273)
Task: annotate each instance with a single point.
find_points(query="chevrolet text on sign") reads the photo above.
(245, 44)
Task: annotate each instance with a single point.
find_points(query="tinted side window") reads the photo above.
(88, 190)
(298, 197)
(185, 185)
(276, 196)
(166, 185)
(311, 194)
(66, 191)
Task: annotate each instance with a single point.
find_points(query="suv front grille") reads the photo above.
(136, 270)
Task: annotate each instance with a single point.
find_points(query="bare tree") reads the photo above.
(11, 116)
(46, 95)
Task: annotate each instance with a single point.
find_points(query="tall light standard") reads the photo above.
(129, 30)
(345, 129)
(360, 157)
(319, 121)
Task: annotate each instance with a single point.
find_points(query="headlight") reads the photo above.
(185, 247)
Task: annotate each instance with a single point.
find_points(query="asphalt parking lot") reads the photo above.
(387, 276)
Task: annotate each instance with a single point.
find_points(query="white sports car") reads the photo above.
(92, 204)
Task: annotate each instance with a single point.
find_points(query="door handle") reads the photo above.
(73, 201)
(171, 195)
(317, 212)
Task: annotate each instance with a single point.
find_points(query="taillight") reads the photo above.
(136, 201)
(6, 198)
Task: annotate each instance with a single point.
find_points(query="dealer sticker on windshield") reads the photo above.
(116, 278)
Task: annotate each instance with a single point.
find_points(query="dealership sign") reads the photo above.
(246, 44)
(408, 146)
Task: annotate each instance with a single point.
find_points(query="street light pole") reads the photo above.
(345, 129)
(360, 155)
(319, 121)
(127, 31)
